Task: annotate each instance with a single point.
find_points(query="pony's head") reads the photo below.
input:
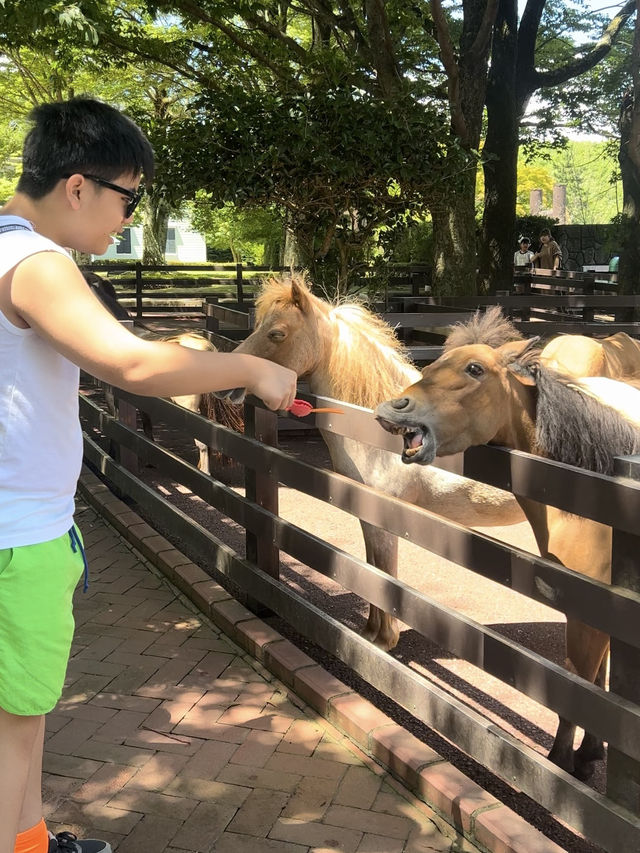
(287, 324)
(345, 351)
(287, 327)
(462, 400)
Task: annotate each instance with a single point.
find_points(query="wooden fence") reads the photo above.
(610, 821)
(145, 286)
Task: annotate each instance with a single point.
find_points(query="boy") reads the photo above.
(82, 166)
(523, 256)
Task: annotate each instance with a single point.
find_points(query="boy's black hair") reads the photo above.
(545, 232)
(81, 135)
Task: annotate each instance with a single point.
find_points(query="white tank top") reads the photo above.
(40, 435)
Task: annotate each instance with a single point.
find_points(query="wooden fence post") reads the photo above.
(263, 490)
(138, 290)
(623, 773)
(211, 323)
(239, 291)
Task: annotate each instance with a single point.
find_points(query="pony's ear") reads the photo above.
(522, 359)
(516, 349)
(299, 294)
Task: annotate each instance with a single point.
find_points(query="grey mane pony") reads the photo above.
(490, 327)
(577, 429)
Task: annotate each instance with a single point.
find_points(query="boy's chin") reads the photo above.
(99, 249)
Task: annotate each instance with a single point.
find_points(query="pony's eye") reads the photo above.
(276, 335)
(474, 369)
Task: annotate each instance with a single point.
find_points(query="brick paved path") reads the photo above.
(170, 738)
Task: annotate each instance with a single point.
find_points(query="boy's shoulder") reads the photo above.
(19, 241)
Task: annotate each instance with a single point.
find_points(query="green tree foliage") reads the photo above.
(251, 234)
(588, 170)
(60, 69)
(342, 101)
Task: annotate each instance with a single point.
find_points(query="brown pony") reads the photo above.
(475, 394)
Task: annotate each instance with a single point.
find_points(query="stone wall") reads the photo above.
(586, 244)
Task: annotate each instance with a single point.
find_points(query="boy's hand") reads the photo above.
(274, 384)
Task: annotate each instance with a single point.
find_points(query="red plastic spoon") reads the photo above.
(301, 408)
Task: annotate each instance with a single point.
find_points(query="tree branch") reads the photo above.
(527, 37)
(343, 26)
(273, 32)
(196, 11)
(600, 49)
(447, 54)
(482, 40)
(381, 43)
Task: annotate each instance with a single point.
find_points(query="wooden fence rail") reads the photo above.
(612, 822)
(145, 281)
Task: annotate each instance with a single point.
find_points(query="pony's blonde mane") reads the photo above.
(366, 362)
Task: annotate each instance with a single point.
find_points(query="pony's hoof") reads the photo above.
(386, 642)
(562, 759)
(370, 633)
(585, 760)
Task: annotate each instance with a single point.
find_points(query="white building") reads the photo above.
(183, 244)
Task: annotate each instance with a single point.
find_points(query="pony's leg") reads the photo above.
(382, 551)
(147, 426)
(561, 752)
(592, 748)
(203, 460)
(586, 649)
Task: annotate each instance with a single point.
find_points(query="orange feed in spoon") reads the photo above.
(301, 408)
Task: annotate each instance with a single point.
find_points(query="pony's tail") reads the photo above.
(226, 414)
(222, 412)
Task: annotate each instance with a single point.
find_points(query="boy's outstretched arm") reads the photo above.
(48, 292)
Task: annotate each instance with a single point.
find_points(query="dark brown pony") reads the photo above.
(207, 405)
(475, 394)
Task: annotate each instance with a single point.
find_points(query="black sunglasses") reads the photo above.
(133, 196)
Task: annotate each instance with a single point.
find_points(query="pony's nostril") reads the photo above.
(400, 403)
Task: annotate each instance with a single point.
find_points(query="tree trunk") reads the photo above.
(454, 242)
(453, 212)
(500, 155)
(155, 219)
(629, 158)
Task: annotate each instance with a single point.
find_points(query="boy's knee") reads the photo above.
(18, 729)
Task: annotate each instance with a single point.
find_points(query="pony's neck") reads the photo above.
(519, 427)
(363, 363)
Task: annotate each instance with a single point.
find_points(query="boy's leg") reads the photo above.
(18, 738)
(32, 801)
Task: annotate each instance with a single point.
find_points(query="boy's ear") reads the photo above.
(72, 188)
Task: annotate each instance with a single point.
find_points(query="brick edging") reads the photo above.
(471, 810)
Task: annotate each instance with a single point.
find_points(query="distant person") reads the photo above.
(523, 256)
(549, 254)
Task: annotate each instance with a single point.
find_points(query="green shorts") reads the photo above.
(36, 622)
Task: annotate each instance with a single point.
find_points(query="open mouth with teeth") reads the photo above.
(418, 442)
